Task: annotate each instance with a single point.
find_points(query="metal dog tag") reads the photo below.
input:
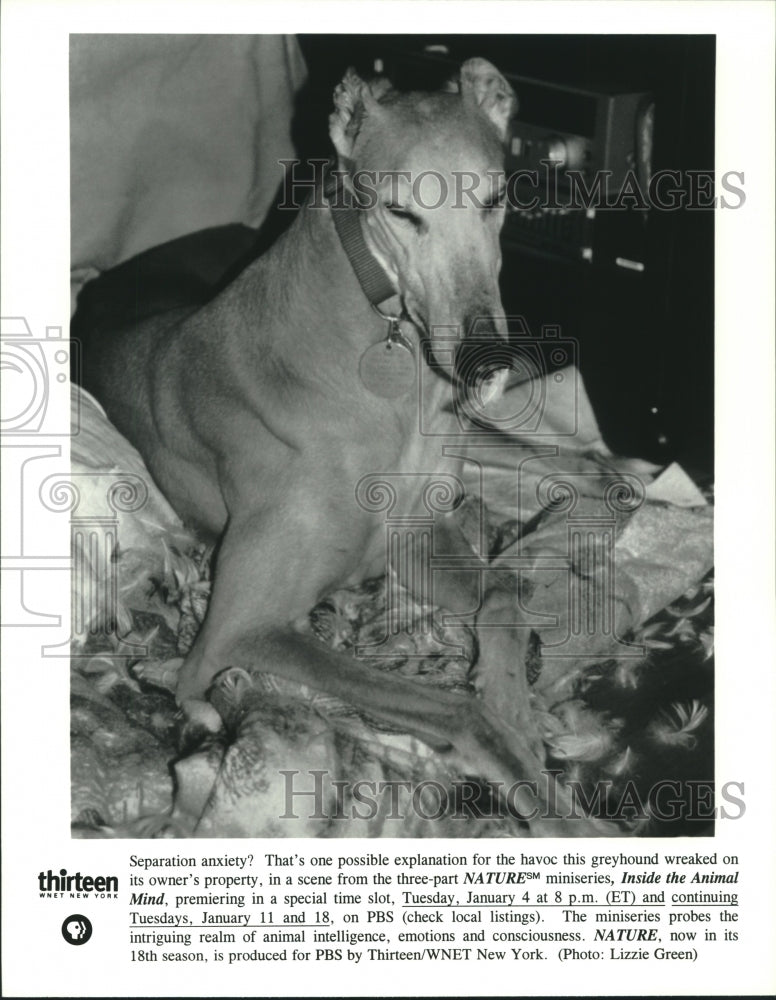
(387, 369)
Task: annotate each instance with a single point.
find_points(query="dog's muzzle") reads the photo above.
(484, 357)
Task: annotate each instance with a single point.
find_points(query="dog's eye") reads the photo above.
(401, 213)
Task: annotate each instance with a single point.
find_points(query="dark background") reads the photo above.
(646, 347)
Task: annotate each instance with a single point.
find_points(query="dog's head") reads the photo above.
(429, 170)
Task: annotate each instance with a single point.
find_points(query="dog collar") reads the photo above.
(375, 283)
(386, 369)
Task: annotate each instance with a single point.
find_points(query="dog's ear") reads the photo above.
(480, 83)
(354, 99)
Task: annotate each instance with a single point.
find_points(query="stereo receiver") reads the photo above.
(570, 152)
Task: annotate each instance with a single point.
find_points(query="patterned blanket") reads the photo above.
(619, 663)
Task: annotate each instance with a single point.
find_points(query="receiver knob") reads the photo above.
(556, 151)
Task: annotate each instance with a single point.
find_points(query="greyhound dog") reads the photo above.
(258, 413)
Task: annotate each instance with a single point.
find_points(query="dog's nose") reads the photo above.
(484, 349)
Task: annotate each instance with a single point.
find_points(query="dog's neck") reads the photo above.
(358, 319)
(298, 315)
(369, 266)
(315, 293)
(319, 295)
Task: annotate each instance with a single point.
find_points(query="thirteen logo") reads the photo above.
(49, 882)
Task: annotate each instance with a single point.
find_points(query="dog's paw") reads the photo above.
(200, 717)
(231, 685)
(162, 674)
(230, 695)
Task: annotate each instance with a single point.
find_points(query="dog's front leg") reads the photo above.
(268, 577)
(270, 570)
(265, 581)
(482, 744)
(491, 596)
